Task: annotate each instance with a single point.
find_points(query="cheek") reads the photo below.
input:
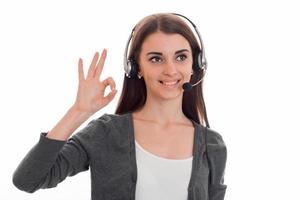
(151, 77)
(187, 70)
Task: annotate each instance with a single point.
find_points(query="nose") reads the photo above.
(170, 68)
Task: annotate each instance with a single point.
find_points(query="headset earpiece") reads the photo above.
(131, 68)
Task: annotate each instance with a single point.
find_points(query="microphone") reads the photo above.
(187, 86)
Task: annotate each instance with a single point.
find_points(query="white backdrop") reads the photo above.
(251, 86)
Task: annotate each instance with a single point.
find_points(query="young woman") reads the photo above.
(158, 144)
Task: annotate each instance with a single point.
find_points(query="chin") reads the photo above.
(165, 92)
(168, 95)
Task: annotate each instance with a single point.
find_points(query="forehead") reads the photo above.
(163, 42)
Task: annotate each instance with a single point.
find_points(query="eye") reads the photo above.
(155, 59)
(181, 57)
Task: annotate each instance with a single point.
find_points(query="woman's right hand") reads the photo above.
(90, 94)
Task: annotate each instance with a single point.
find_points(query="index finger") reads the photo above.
(100, 64)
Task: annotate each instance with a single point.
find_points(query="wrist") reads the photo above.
(79, 113)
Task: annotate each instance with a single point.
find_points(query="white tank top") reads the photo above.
(161, 178)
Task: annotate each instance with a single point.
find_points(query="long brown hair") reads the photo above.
(134, 93)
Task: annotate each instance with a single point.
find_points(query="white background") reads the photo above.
(251, 86)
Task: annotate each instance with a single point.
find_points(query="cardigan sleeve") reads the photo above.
(217, 156)
(50, 161)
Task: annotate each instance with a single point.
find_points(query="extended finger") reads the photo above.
(100, 64)
(80, 70)
(91, 71)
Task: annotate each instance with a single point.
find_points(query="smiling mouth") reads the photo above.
(169, 83)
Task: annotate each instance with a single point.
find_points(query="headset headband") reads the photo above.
(201, 59)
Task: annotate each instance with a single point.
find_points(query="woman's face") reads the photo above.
(165, 63)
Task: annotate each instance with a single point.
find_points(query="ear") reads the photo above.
(139, 75)
(139, 69)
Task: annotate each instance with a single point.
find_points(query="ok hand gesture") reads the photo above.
(90, 94)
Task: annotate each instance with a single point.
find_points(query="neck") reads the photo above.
(162, 112)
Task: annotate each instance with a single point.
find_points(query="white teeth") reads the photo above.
(170, 83)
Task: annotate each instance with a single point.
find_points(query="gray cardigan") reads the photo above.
(106, 146)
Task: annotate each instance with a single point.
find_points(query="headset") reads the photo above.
(130, 65)
(130, 68)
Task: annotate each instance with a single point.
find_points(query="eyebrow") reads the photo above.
(159, 53)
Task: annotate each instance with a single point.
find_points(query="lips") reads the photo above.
(169, 82)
